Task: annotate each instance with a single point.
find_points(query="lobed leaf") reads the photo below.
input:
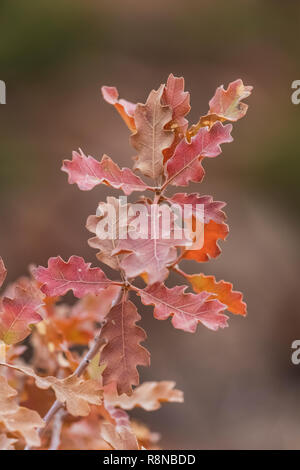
(87, 173)
(185, 165)
(224, 106)
(18, 419)
(150, 256)
(75, 392)
(221, 290)
(186, 309)
(76, 275)
(212, 209)
(18, 314)
(178, 100)
(123, 352)
(121, 439)
(227, 104)
(151, 137)
(108, 245)
(148, 396)
(213, 232)
(125, 108)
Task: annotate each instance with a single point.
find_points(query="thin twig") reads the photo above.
(56, 430)
(57, 405)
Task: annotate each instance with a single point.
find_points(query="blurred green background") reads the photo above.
(240, 387)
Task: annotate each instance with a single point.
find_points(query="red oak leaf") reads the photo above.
(221, 290)
(186, 309)
(224, 106)
(178, 100)
(151, 137)
(87, 173)
(212, 209)
(123, 352)
(210, 249)
(17, 314)
(3, 272)
(125, 108)
(120, 224)
(227, 103)
(185, 165)
(76, 275)
(156, 250)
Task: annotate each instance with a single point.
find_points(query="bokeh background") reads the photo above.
(241, 390)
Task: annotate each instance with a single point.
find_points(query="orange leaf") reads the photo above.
(222, 291)
(212, 233)
(125, 108)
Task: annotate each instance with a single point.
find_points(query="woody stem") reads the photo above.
(57, 405)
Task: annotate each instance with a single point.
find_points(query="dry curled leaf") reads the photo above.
(107, 245)
(125, 108)
(18, 419)
(148, 396)
(6, 443)
(121, 439)
(75, 392)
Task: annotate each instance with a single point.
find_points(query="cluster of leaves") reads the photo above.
(83, 361)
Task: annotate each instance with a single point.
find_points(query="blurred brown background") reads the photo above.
(241, 389)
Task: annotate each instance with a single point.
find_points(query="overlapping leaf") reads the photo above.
(87, 173)
(221, 290)
(121, 439)
(151, 137)
(125, 108)
(17, 314)
(123, 352)
(6, 443)
(75, 392)
(76, 275)
(186, 309)
(117, 226)
(149, 396)
(151, 254)
(213, 232)
(185, 165)
(225, 105)
(212, 210)
(178, 100)
(18, 419)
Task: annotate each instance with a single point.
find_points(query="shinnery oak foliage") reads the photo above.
(82, 373)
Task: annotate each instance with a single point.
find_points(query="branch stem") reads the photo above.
(57, 405)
